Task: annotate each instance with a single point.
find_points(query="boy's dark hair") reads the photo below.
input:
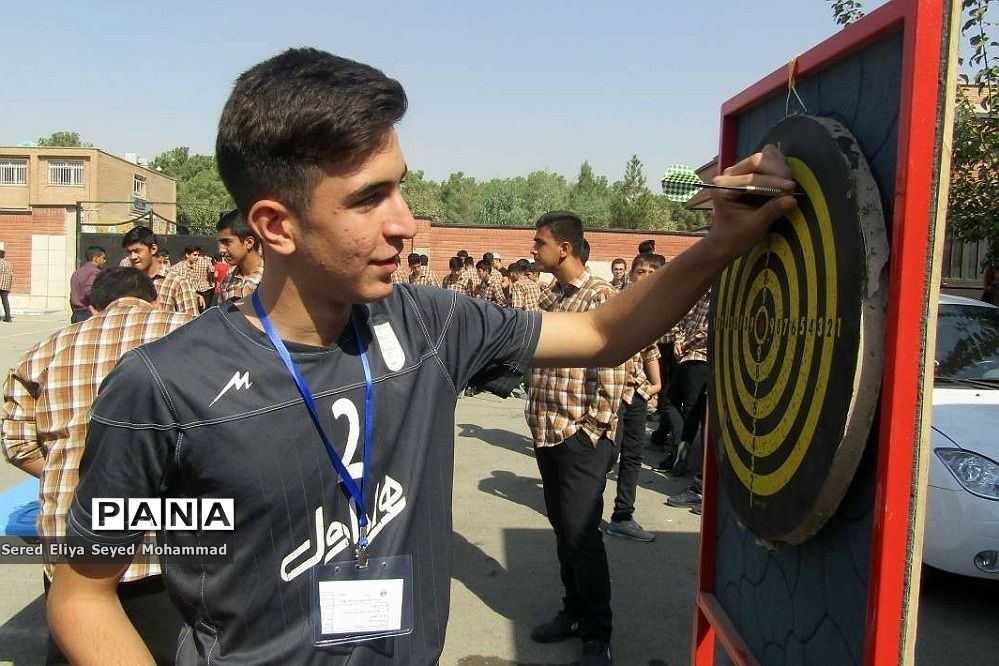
(293, 117)
(93, 251)
(483, 265)
(461, 254)
(424, 260)
(520, 267)
(454, 264)
(647, 246)
(236, 223)
(469, 261)
(649, 259)
(189, 249)
(139, 234)
(488, 256)
(619, 260)
(119, 282)
(413, 259)
(565, 227)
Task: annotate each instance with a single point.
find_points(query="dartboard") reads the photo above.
(797, 328)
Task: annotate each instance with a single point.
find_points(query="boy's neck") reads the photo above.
(293, 316)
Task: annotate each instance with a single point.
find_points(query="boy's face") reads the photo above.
(618, 271)
(547, 252)
(231, 248)
(356, 226)
(642, 270)
(483, 274)
(142, 256)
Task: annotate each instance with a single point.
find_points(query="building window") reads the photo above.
(66, 173)
(139, 186)
(13, 172)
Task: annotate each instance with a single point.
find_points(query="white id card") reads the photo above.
(353, 604)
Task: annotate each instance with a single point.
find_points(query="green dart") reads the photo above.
(680, 182)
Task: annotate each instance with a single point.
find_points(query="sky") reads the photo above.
(495, 90)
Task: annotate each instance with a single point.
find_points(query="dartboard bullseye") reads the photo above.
(797, 326)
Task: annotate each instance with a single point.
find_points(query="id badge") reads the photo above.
(351, 603)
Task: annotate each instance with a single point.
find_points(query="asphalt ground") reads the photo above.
(505, 573)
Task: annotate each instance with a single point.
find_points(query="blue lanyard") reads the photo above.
(369, 416)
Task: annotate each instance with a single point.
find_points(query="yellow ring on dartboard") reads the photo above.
(769, 484)
(755, 443)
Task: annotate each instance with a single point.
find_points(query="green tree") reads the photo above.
(200, 192)
(64, 138)
(590, 197)
(459, 194)
(423, 196)
(972, 205)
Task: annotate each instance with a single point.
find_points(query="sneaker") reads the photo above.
(596, 653)
(688, 497)
(559, 628)
(696, 509)
(629, 529)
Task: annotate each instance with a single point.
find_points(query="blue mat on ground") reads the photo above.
(18, 508)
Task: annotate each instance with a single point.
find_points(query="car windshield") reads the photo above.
(967, 344)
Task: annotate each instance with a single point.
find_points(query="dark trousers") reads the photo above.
(209, 296)
(574, 474)
(685, 399)
(667, 370)
(631, 420)
(6, 304)
(150, 611)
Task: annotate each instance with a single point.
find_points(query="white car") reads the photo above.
(962, 504)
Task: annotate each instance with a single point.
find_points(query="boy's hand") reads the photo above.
(739, 225)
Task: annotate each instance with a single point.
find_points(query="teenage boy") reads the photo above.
(48, 400)
(641, 383)
(175, 289)
(241, 248)
(619, 273)
(485, 288)
(82, 281)
(307, 147)
(454, 280)
(525, 294)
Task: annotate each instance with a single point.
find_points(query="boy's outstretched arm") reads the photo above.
(645, 310)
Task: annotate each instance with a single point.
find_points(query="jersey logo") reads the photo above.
(238, 381)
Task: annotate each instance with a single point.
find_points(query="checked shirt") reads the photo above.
(49, 394)
(563, 400)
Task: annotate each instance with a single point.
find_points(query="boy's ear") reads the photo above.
(275, 225)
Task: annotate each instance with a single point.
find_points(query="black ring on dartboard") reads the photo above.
(788, 424)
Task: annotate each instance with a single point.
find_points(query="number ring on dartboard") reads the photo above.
(797, 329)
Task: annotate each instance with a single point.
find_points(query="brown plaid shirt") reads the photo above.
(525, 294)
(237, 285)
(487, 291)
(176, 291)
(426, 277)
(637, 381)
(691, 332)
(563, 400)
(459, 284)
(6, 275)
(400, 275)
(204, 273)
(48, 398)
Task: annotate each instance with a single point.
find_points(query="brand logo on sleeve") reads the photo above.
(238, 381)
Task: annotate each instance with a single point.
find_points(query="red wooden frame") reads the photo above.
(922, 25)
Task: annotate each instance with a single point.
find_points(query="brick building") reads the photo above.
(40, 189)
